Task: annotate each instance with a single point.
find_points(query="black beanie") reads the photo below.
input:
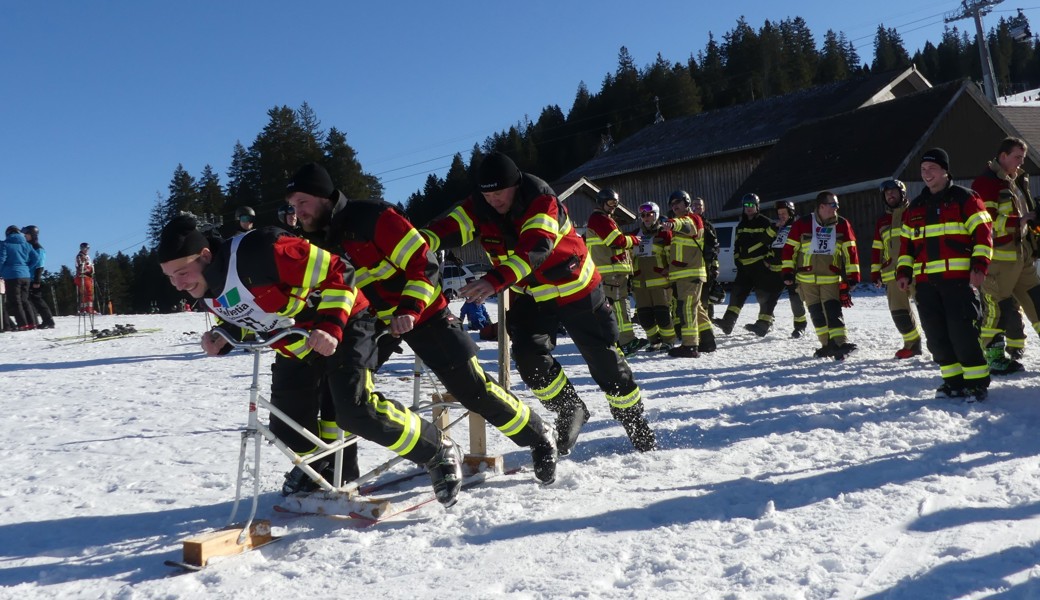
(179, 238)
(937, 156)
(497, 172)
(312, 179)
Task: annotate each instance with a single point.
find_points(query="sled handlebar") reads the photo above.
(261, 343)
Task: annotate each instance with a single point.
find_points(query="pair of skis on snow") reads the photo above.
(365, 511)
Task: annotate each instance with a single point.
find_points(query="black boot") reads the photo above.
(706, 341)
(638, 430)
(298, 482)
(569, 420)
(727, 322)
(544, 456)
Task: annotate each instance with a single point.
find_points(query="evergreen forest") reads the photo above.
(744, 65)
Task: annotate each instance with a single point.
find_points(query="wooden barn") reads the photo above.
(711, 154)
(851, 154)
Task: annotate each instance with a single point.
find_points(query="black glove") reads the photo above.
(845, 295)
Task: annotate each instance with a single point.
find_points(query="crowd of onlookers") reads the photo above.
(22, 261)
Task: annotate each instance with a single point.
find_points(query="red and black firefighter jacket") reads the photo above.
(945, 235)
(279, 281)
(534, 247)
(392, 262)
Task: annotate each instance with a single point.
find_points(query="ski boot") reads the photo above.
(1000, 364)
(445, 469)
(799, 329)
(298, 482)
(950, 389)
(630, 348)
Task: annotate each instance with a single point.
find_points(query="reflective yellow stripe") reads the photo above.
(521, 413)
(419, 290)
(328, 430)
(951, 370)
(542, 293)
(626, 401)
(378, 272)
(405, 248)
(553, 389)
(332, 299)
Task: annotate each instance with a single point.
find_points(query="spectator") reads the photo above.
(84, 280)
(36, 299)
(244, 216)
(15, 257)
(476, 314)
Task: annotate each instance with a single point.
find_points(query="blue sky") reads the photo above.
(102, 99)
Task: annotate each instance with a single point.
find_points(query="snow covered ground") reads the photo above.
(778, 476)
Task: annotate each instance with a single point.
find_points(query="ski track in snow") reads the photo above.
(778, 476)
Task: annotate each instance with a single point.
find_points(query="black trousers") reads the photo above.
(18, 301)
(339, 388)
(591, 324)
(442, 344)
(766, 284)
(951, 317)
(39, 306)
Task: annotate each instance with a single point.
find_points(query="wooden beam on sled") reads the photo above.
(200, 549)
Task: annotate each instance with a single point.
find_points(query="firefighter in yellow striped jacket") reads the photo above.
(536, 253)
(883, 255)
(688, 273)
(821, 257)
(946, 248)
(1004, 187)
(610, 248)
(650, 284)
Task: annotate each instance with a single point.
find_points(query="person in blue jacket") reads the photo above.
(15, 257)
(37, 303)
(476, 314)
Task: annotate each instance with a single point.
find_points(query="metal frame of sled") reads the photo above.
(235, 539)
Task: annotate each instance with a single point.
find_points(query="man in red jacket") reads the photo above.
(820, 255)
(401, 278)
(265, 281)
(537, 254)
(946, 248)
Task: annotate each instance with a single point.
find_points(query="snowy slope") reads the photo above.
(779, 476)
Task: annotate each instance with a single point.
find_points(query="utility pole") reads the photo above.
(976, 9)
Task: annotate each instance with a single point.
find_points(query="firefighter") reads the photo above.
(754, 235)
(650, 285)
(610, 248)
(687, 272)
(883, 254)
(1004, 187)
(401, 278)
(946, 248)
(264, 280)
(535, 250)
(821, 257)
(785, 217)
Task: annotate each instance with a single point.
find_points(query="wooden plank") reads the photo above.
(200, 549)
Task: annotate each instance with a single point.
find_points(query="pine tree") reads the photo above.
(210, 197)
(832, 66)
(889, 53)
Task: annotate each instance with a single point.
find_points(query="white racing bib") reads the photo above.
(781, 237)
(645, 247)
(236, 303)
(824, 238)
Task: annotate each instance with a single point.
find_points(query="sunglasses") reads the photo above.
(834, 204)
(750, 205)
(246, 219)
(288, 210)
